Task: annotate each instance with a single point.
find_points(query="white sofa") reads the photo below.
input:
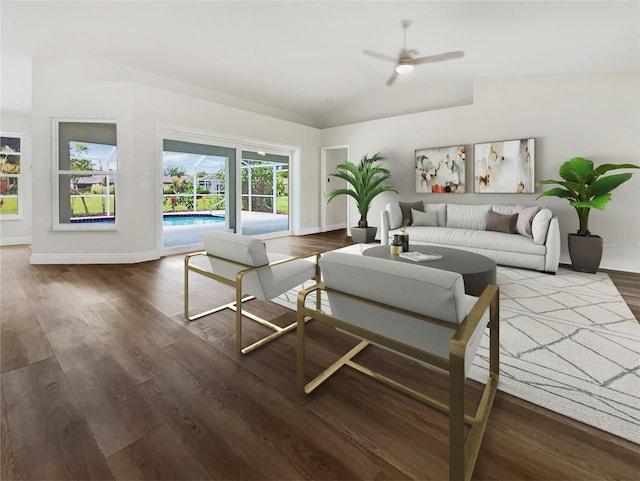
(463, 226)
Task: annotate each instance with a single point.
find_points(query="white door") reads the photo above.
(335, 214)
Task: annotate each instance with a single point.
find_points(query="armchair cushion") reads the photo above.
(245, 252)
(423, 290)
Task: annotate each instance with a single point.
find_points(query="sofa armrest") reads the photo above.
(384, 227)
(552, 243)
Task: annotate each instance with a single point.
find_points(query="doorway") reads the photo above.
(336, 214)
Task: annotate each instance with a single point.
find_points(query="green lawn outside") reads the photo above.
(9, 206)
(282, 205)
(204, 204)
(94, 205)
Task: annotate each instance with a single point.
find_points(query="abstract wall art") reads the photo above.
(505, 167)
(440, 170)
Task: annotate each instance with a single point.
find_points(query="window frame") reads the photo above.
(19, 177)
(56, 225)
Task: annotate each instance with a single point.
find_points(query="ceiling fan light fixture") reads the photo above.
(405, 65)
(403, 68)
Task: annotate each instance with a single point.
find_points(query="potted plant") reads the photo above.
(366, 180)
(585, 189)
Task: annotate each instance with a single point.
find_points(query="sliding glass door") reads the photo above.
(222, 187)
(265, 192)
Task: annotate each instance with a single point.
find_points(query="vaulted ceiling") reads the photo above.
(303, 61)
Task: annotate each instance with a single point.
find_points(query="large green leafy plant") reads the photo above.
(585, 188)
(367, 179)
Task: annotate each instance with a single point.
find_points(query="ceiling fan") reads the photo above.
(405, 62)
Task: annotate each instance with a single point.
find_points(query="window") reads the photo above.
(10, 173)
(86, 176)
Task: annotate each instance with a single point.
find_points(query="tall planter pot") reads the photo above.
(363, 235)
(585, 252)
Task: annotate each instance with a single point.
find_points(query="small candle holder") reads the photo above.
(396, 246)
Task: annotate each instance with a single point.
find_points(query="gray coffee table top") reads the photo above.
(477, 270)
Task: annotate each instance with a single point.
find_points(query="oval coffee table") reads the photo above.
(477, 270)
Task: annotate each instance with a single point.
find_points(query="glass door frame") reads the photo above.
(185, 134)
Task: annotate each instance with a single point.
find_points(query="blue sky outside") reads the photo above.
(104, 157)
(191, 162)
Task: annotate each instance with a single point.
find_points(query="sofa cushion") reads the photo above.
(461, 216)
(406, 207)
(525, 218)
(424, 218)
(395, 215)
(503, 209)
(540, 226)
(440, 210)
(468, 238)
(501, 223)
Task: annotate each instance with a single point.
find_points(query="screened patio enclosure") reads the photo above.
(204, 190)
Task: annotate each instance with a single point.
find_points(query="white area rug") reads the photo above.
(568, 343)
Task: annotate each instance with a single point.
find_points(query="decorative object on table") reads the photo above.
(585, 189)
(404, 236)
(505, 167)
(366, 180)
(421, 256)
(396, 245)
(440, 170)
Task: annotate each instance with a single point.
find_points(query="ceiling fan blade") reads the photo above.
(393, 78)
(380, 56)
(441, 57)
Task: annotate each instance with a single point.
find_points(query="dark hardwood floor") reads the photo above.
(103, 379)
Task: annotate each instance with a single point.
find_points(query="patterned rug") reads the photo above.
(568, 343)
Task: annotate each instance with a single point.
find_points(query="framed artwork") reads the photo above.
(440, 170)
(505, 167)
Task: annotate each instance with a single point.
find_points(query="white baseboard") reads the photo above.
(125, 258)
(15, 241)
(327, 228)
(312, 230)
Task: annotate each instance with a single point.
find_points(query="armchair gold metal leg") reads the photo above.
(237, 304)
(230, 305)
(457, 456)
(327, 373)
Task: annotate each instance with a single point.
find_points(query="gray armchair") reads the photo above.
(242, 262)
(419, 312)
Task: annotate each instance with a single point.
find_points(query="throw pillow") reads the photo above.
(502, 222)
(395, 215)
(406, 207)
(424, 218)
(440, 210)
(525, 218)
(540, 226)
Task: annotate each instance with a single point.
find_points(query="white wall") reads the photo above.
(596, 116)
(18, 231)
(63, 89)
(153, 107)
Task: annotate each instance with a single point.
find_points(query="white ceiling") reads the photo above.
(303, 61)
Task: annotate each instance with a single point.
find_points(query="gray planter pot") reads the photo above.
(363, 235)
(585, 252)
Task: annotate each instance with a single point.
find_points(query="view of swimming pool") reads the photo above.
(184, 229)
(191, 220)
